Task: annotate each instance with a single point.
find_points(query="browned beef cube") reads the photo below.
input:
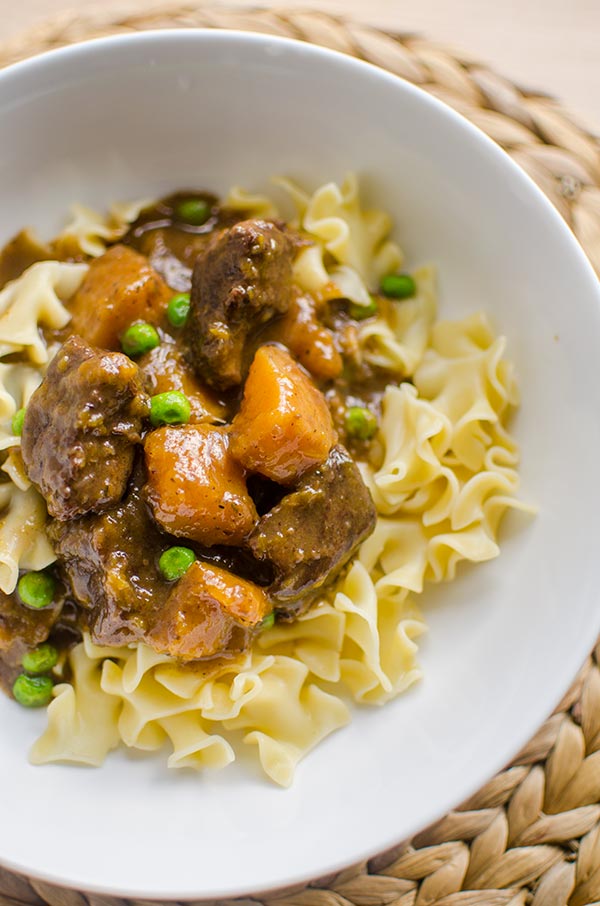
(110, 560)
(80, 428)
(314, 531)
(241, 281)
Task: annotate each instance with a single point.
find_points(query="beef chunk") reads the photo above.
(80, 429)
(22, 628)
(314, 530)
(110, 561)
(241, 281)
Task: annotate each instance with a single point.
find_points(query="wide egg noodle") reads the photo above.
(82, 718)
(89, 232)
(14, 467)
(251, 204)
(349, 247)
(353, 236)
(442, 473)
(267, 697)
(379, 652)
(17, 382)
(23, 540)
(464, 375)
(134, 696)
(396, 339)
(36, 299)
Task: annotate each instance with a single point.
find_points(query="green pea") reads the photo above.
(178, 309)
(139, 338)
(41, 659)
(195, 211)
(268, 622)
(36, 589)
(398, 286)
(17, 422)
(360, 423)
(33, 691)
(175, 562)
(360, 312)
(170, 408)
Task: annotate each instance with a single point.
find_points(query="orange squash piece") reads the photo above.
(209, 612)
(120, 287)
(283, 427)
(311, 342)
(195, 488)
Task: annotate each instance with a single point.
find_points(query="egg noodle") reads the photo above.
(442, 471)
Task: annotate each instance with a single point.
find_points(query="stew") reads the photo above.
(196, 439)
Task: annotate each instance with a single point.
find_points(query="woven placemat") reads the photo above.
(532, 834)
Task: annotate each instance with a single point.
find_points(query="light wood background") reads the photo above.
(553, 45)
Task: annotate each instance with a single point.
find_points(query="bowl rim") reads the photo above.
(74, 54)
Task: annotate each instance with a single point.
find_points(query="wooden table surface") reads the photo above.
(553, 45)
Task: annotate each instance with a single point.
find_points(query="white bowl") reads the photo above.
(139, 115)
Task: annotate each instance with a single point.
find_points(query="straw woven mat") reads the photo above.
(532, 834)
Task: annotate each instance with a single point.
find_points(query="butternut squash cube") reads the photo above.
(196, 489)
(120, 287)
(311, 342)
(283, 427)
(209, 612)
